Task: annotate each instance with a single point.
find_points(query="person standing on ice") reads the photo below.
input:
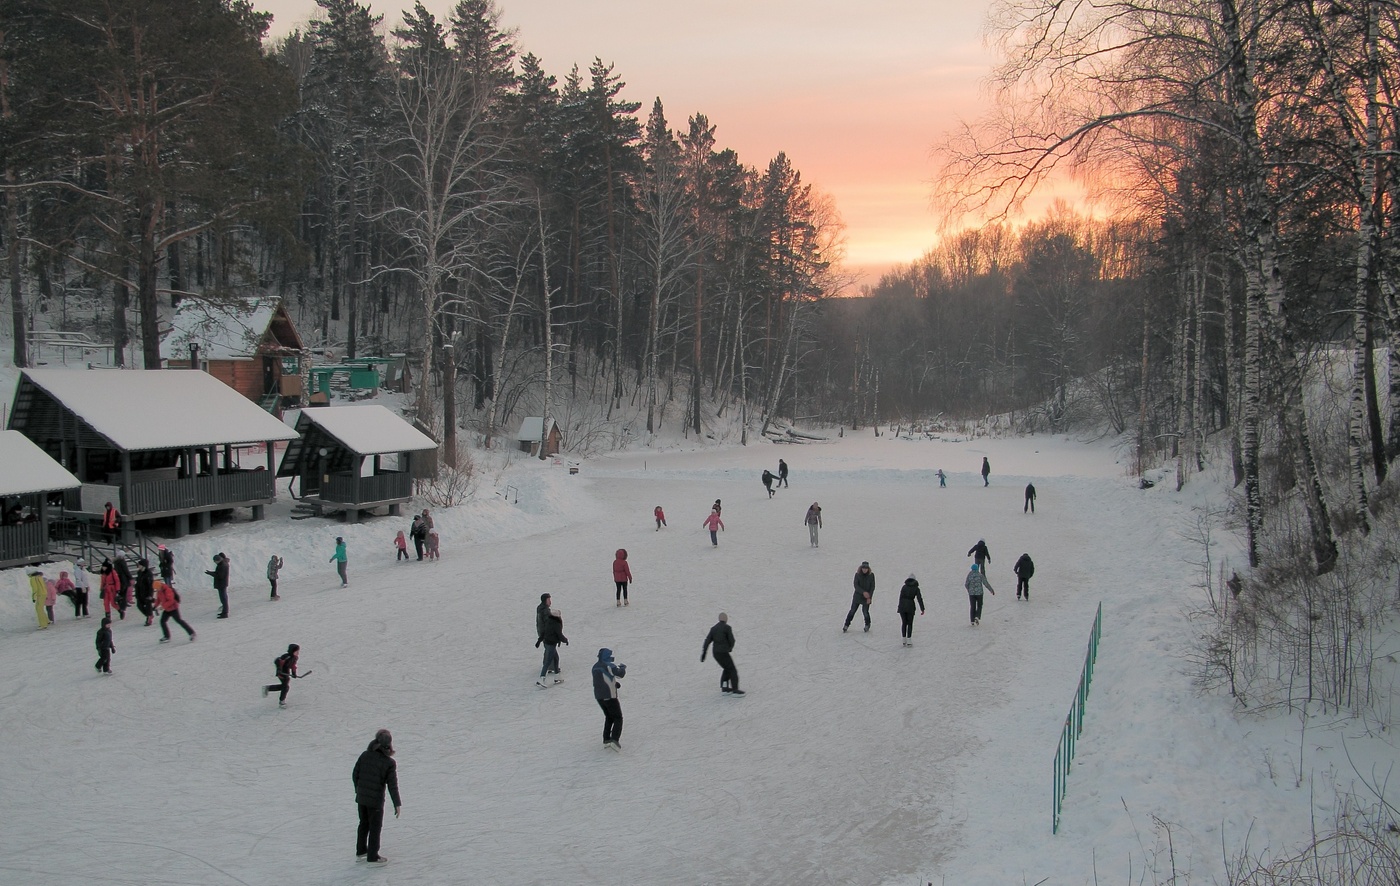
(864, 593)
(1024, 569)
(166, 561)
(606, 673)
(942, 479)
(986, 471)
(716, 507)
(220, 575)
(374, 771)
(145, 591)
(64, 587)
(82, 584)
(401, 544)
(38, 593)
(542, 614)
(105, 646)
(909, 594)
(551, 637)
(782, 473)
(125, 597)
(419, 535)
(168, 600)
(432, 544)
(274, 568)
(768, 481)
(814, 522)
(660, 517)
(108, 585)
(286, 665)
(976, 580)
(622, 574)
(981, 555)
(715, 525)
(1030, 498)
(721, 637)
(341, 560)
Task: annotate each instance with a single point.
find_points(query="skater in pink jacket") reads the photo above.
(660, 517)
(622, 574)
(715, 525)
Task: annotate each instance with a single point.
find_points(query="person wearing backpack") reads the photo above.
(1024, 569)
(286, 665)
(168, 600)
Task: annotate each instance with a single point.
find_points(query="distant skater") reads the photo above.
(105, 646)
(975, 582)
(165, 559)
(986, 471)
(721, 637)
(286, 670)
(1024, 569)
(1030, 498)
(768, 481)
(341, 560)
(864, 592)
(220, 575)
(168, 601)
(782, 473)
(909, 594)
(715, 525)
(942, 479)
(622, 575)
(606, 673)
(550, 638)
(374, 771)
(814, 522)
(274, 568)
(660, 517)
(980, 554)
(401, 543)
(716, 507)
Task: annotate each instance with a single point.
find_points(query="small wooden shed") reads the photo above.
(355, 458)
(532, 433)
(249, 345)
(28, 476)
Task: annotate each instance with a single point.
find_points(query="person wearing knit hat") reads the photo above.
(374, 771)
(909, 594)
(721, 637)
(286, 665)
(864, 593)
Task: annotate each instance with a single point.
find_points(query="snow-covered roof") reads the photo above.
(26, 468)
(368, 429)
(532, 429)
(158, 408)
(222, 331)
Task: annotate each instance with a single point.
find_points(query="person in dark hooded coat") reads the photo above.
(864, 592)
(909, 594)
(622, 575)
(374, 771)
(145, 591)
(721, 638)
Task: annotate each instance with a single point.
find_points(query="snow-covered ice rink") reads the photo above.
(851, 760)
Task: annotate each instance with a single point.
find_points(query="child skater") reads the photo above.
(660, 518)
(105, 646)
(402, 544)
(432, 544)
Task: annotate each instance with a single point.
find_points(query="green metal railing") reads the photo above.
(1074, 723)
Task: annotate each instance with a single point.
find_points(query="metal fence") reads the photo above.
(1074, 723)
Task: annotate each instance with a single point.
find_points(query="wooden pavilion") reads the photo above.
(29, 478)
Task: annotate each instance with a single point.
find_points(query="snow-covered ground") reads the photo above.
(851, 760)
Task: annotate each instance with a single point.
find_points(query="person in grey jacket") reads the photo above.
(374, 771)
(864, 593)
(721, 637)
(976, 580)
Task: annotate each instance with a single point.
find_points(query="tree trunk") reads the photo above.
(12, 261)
(449, 405)
(548, 327)
(146, 284)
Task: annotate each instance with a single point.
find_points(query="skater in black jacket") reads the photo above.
(986, 471)
(286, 665)
(768, 481)
(782, 473)
(166, 561)
(105, 646)
(123, 572)
(1024, 569)
(145, 591)
(982, 555)
(551, 637)
(721, 637)
(1030, 498)
(864, 593)
(374, 771)
(909, 594)
(220, 575)
(606, 673)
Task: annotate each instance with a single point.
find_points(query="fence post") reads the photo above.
(1074, 723)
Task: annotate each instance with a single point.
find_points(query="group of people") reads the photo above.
(910, 595)
(424, 536)
(772, 482)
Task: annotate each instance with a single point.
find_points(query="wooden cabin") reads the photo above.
(29, 479)
(156, 443)
(355, 458)
(251, 346)
(532, 433)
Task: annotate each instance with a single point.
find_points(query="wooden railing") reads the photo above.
(342, 489)
(21, 541)
(193, 493)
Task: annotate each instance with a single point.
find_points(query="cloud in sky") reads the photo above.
(855, 93)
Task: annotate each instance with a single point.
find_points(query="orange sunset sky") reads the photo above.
(856, 93)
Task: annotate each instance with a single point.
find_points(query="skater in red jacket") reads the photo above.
(622, 574)
(660, 518)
